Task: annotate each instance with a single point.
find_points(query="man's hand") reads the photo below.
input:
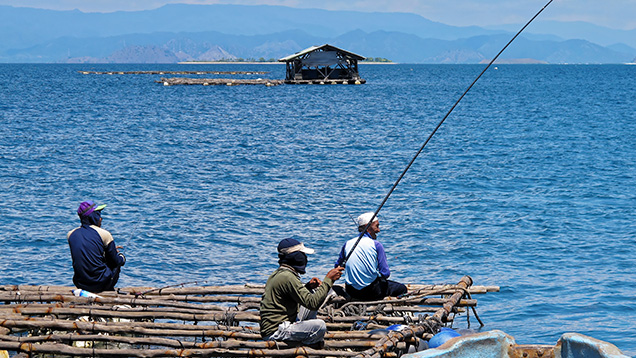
(335, 273)
(313, 283)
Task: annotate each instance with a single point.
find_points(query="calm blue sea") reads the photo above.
(529, 185)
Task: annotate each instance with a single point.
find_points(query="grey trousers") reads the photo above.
(306, 332)
(307, 329)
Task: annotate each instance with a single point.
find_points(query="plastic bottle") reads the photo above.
(83, 293)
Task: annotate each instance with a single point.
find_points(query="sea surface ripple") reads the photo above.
(529, 185)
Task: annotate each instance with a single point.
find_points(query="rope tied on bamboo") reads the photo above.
(304, 351)
(474, 311)
(229, 318)
(354, 309)
(379, 309)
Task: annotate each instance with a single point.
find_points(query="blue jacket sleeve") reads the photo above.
(383, 265)
(341, 257)
(113, 258)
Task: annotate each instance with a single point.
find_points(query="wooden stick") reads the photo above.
(120, 300)
(97, 312)
(151, 353)
(179, 343)
(129, 328)
(473, 289)
(172, 314)
(464, 283)
(161, 329)
(68, 308)
(249, 289)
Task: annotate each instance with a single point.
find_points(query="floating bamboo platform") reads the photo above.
(173, 72)
(215, 321)
(235, 82)
(224, 81)
(328, 81)
(218, 81)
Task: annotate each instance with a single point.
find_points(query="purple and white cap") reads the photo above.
(87, 207)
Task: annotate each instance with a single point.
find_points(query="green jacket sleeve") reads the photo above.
(306, 298)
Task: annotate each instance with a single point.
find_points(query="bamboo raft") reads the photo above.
(218, 81)
(172, 72)
(215, 321)
(329, 81)
(259, 81)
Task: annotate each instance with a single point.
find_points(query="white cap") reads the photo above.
(364, 219)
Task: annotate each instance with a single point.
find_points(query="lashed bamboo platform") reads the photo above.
(214, 321)
(173, 72)
(328, 81)
(224, 81)
(218, 81)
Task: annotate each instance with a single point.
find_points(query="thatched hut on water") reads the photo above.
(323, 64)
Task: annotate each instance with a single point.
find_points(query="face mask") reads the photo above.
(92, 219)
(297, 260)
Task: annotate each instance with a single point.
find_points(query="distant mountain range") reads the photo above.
(176, 33)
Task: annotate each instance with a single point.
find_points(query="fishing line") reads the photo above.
(346, 211)
(125, 243)
(435, 131)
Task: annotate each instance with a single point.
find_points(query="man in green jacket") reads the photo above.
(288, 307)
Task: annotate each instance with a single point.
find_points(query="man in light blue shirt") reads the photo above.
(367, 270)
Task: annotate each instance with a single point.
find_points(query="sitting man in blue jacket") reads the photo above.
(367, 270)
(96, 260)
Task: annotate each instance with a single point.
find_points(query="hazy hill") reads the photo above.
(210, 46)
(578, 30)
(210, 32)
(32, 25)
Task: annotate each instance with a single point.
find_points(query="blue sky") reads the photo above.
(617, 14)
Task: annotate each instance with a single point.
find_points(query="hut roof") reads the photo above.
(325, 47)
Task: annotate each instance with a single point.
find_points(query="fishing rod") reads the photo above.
(196, 283)
(375, 214)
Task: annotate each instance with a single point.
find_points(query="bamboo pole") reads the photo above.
(120, 300)
(407, 305)
(97, 312)
(224, 332)
(157, 329)
(134, 314)
(248, 289)
(128, 328)
(180, 343)
(50, 323)
(42, 288)
(152, 353)
(68, 308)
(473, 289)
(463, 284)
